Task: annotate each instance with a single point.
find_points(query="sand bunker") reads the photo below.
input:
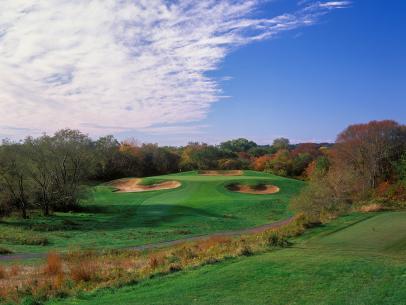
(221, 173)
(132, 185)
(260, 189)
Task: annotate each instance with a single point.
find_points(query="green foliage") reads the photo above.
(238, 145)
(280, 143)
(400, 167)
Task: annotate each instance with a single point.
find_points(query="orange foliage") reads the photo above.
(311, 168)
(259, 163)
(306, 148)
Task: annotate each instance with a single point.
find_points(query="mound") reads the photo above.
(133, 185)
(260, 189)
(221, 173)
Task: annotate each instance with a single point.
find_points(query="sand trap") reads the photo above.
(260, 189)
(221, 173)
(132, 185)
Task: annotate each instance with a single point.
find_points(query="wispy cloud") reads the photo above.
(96, 65)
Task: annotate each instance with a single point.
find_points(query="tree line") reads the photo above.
(50, 172)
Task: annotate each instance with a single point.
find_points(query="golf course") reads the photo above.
(199, 204)
(359, 259)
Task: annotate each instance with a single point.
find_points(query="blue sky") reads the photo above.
(298, 69)
(309, 84)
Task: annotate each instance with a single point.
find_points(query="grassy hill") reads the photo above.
(110, 219)
(359, 259)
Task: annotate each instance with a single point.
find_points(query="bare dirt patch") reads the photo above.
(133, 185)
(260, 189)
(221, 173)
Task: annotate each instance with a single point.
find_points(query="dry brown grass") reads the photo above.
(156, 260)
(53, 264)
(14, 270)
(84, 271)
(373, 207)
(3, 273)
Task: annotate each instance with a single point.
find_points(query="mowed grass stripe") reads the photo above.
(382, 233)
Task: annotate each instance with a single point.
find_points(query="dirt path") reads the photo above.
(277, 224)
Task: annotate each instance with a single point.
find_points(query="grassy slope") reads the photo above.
(355, 260)
(200, 206)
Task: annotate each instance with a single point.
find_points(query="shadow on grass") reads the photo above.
(109, 219)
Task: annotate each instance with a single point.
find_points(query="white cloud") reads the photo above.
(107, 66)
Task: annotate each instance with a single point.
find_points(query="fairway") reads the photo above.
(109, 219)
(342, 274)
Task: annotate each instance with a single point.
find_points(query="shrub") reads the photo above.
(175, 267)
(245, 250)
(276, 239)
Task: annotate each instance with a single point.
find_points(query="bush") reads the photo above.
(276, 239)
(245, 250)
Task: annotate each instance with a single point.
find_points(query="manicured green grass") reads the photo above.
(201, 205)
(326, 266)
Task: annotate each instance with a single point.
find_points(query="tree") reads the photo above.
(280, 163)
(14, 181)
(260, 163)
(41, 172)
(106, 154)
(370, 150)
(280, 143)
(237, 145)
(72, 164)
(400, 168)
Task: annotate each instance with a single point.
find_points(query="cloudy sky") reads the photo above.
(174, 71)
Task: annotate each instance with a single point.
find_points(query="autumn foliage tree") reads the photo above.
(364, 157)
